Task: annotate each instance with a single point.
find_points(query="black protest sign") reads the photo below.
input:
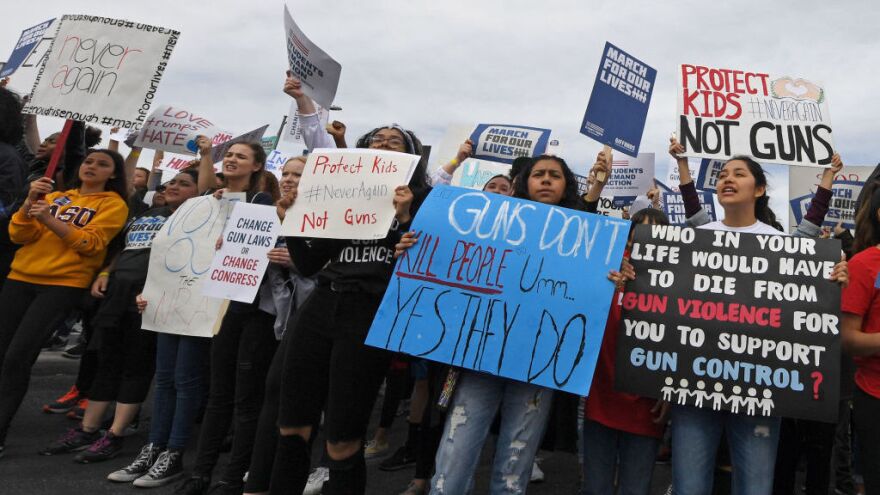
(728, 321)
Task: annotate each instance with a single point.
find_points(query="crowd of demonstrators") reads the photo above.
(293, 362)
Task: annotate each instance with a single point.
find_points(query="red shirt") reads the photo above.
(860, 298)
(606, 406)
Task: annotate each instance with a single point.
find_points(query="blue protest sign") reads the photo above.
(619, 102)
(673, 206)
(504, 286)
(708, 175)
(26, 43)
(841, 208)
(504, 143)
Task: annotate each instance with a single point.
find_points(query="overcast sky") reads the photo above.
(429, 65)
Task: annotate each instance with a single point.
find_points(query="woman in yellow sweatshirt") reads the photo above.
(64, 237)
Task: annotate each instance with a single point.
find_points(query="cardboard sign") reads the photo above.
(846, 187)
(619, 102)
(254, 136)
(504, 143)
(173, 129)
(318, 71)
(504, 286)
(473, 174)
(239, 265)
(26, 43)
(777, 119)
(673, 206)
(348, 194)
(728, 321)
(630, 177)
(101, 70)
(179, 266)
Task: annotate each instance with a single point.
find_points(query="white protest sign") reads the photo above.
(219, 150)
(179, 266)
(773, 118)
(630, 177)
(318, 71)
(348, 194)
(175, 163)
(171, 128)
(473, 174)
(672, 178)
(276, 160)
(238, 267)
(101, 70)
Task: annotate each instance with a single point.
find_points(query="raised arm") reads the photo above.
(207, 176)
(443, 175)
(314, 134)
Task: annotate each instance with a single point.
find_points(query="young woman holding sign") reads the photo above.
(860, 331)
(245, 344)
(696, 433)
(479, 397)
(325, 356)
(126, 354)
(64, 237)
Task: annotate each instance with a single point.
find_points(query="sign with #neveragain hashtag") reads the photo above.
(102, 71)
(348, 194)
(775, 119)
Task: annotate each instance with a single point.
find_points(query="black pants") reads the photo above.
(88, 363)
(28, 315)
(398, 384)
(240, 357)
(866, 410)
(814, 440)
(126, 362)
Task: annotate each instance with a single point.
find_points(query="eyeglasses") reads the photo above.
(392, 141)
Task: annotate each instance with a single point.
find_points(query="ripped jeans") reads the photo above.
(478, 397)
(696, 434)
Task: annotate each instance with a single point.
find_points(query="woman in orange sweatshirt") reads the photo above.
(64, 237)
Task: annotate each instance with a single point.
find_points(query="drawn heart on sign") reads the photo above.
(799, 89)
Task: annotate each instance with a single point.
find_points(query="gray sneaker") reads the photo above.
(168, 468)
(139, 466)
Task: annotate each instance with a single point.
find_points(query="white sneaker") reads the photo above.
(317, 478)
(374, 449)
(537, 474)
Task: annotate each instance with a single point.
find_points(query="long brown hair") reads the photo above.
(867, 222)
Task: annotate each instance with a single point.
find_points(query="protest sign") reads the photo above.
(504, 286)
(672, 178)
(269, 143)
(619, 101)
(348, 194)
(254, 136)
(275, 161)
(292, 132)
(846, 188)
(26, 43)
(629, 178)
(725, 112)
(707, 176)
(473, 174)
(175, 163)
(171, 128)
(101, 70)
(239, 265)
(179, 262)
(673, 206)
(724, 320)
(318, 71)
(504, 143)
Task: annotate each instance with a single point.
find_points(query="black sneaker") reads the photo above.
(167, 468)
(75, 351)
(194, 485)
(55, 343)
(74, 440)
(226, 488)
(141, 464)
(399, 460)
(105, 448)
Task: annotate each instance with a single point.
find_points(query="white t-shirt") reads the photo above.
(758, 227)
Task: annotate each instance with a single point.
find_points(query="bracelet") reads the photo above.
(135, 153)
(104, 274)
(454, 161)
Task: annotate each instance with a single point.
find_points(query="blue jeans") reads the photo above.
(607, 451)
(181, 366)
(478, 397)
(696, 434)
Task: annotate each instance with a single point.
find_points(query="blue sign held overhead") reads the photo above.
(619, 102)
(28, 40)
(707, 178)
(504, 286)
(504, 143)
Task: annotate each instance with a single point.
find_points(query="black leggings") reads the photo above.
(866, 410)
(240, 357)
(28, 315)
(126, 362)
